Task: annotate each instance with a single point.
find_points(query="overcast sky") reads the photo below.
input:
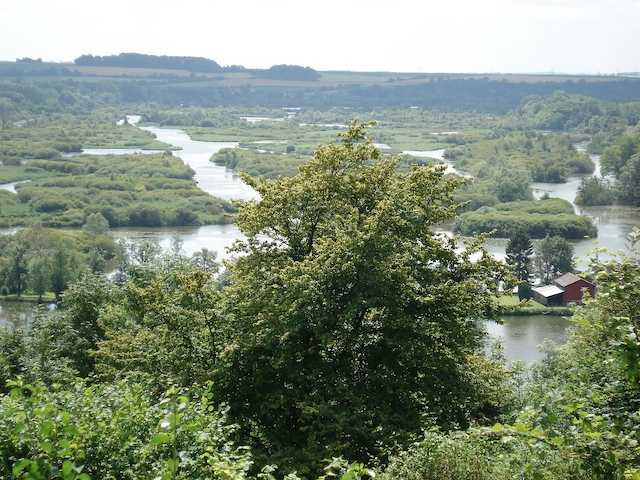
(576, 36)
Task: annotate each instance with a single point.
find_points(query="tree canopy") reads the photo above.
(346, 308)
(141, 60)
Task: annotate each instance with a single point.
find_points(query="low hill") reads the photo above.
(288, 72)
(140, 60)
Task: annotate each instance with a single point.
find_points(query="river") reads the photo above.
(213, 179)
(522, 336)
(614, 222)
(436, 155)
(11, 187)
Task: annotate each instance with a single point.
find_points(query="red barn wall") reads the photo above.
(573, 292)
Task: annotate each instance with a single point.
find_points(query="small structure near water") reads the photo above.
(549, 295)
(567, 288)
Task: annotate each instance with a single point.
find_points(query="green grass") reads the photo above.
(129, 190)
(401, 129)
(29, 298)
(256, 164)
(513, 306)
(545, 157)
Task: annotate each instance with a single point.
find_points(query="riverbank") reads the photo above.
(514, 307)
(48, 297)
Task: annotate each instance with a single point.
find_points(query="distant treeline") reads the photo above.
(194, 64)
(449, 95)
(480, 95)
(141, 60)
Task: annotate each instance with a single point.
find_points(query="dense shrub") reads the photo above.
(537, 225)
(140, 60)
(478, 455)
(288, 72)
(259, 164)
(549, 206)
(129, 190)
(595, 191)
(116, 431)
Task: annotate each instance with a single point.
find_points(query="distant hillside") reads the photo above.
(173, 81)
(141, 60)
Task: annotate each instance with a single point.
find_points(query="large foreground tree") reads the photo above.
(352, 324)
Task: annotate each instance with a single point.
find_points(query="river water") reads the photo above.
(522, 336)
(18, 314)
(213, 179)
(614, 222)
(436, 155)
(11, 187)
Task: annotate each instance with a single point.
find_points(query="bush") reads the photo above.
(549, 206)
(477, 456)
(595, 191)
(116, 431)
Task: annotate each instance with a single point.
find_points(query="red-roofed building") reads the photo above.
(574, 287)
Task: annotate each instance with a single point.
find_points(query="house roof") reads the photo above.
(548, 290)
(569, 279)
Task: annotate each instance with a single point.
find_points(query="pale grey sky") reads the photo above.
(575, 36)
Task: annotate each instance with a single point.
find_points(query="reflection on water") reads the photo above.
(254, 119)
(18, 314)
(521, 336)
(9, 187)
(215, 238)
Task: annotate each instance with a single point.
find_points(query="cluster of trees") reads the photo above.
(443, 94)
(21, 68)
(288, 72)
(545, 158)
(40, 261)
(541, 218)
(595, 191)
(503, 165)
(346, 328)
(141, 60)
(50, 140)
(258, 164)
(308, 368)
(564, 112)
(622, 161)
(551, 257)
